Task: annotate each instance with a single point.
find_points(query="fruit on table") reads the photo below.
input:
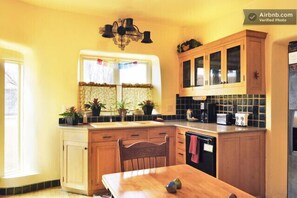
(171, 187)
(178, 183)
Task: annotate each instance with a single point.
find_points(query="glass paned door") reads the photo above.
(199, 71)
(215, 74)
(233, 64)
(186, 73)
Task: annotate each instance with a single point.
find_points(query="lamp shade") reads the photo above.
(129, 25)
(146, 37)
(108, 31)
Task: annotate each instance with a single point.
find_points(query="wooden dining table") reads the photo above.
(152, 183)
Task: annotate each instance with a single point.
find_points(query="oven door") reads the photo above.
(207, 154)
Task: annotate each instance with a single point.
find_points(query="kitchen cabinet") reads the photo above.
(192, 74)
(180, 145)
(104, 156)
(74, 160)
(241, 161)
(240, 158)
(231, 65)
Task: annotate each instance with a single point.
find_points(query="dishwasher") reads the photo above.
(207, 154)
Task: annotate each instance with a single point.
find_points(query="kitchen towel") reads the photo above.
(194, 148)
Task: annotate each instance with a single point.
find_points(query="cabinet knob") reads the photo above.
(86, 148)
(256, 75)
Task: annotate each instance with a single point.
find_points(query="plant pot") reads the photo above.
(71, 120)
(96, 111)
(147, 110)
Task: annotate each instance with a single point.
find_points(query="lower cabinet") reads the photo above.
(104, 155)
(74, 161)
(241, 161)
(103, 160)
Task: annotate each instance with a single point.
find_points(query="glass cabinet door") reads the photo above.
(187, 74)
(233, 64)
(215, 71)
(199, 71)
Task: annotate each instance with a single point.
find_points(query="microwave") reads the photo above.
(224, 118)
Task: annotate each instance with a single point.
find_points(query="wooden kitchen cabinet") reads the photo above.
(241, 161)
(74, 160)
(232, 65)
(104, 156)
(180, 145)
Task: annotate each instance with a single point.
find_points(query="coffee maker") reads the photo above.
(208, 112)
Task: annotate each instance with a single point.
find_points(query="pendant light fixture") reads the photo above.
(123, 31)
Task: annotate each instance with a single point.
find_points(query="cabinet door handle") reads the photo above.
(162, 133)
(180, 133)
(181, 154)
(134, 135)
(106, 137)
(180, 142)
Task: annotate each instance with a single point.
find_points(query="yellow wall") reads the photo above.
(276, 82)
(54, 40)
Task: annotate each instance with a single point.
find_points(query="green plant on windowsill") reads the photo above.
(122, 107)
(95, 106)
(71, 116)
(147, 106)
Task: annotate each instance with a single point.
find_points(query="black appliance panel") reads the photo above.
(207, 160)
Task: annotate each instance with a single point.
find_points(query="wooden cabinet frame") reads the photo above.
(252, 65)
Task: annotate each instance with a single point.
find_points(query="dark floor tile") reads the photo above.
(18, 190)
(27, 189)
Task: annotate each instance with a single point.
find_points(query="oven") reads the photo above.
(207, 153)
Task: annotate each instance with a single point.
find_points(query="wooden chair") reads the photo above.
(143, 155)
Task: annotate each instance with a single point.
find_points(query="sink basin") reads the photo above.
(125, 124)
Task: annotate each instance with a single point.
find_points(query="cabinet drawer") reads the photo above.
(131, 135)
(105, 136)
(180, 132)
(180, 144)
(161, 132)
(180, 157)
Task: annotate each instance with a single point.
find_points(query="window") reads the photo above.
(12, 101)
(117, 71)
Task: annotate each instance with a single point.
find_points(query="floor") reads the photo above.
(49, 192)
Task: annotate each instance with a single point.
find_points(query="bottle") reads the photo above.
(85, 118)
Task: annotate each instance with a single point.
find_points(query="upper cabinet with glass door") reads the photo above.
(231, 65)
(192, 74)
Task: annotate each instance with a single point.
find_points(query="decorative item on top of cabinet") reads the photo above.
(190, 44)
(231, 65)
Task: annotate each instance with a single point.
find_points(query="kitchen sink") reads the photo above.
(125, 124)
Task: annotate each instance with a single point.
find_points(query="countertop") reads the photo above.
(204, 127)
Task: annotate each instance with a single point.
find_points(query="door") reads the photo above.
(104, 160)
(75, 165)
(215, 67)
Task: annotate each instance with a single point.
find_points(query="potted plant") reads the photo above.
(147, 106)
(95, 106)
(122, 108)
(71, 116)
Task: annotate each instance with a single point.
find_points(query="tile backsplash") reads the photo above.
(254, 104)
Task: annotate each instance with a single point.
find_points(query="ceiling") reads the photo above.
(174, 12)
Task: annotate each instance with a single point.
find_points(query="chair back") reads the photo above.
(143, 155)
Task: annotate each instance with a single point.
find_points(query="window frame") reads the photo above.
(19, 117)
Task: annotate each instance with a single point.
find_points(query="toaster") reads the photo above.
(224, 118)
(241, 119)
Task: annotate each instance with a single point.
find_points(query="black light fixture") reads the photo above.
(123, 31)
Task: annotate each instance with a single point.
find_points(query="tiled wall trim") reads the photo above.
(29, 188)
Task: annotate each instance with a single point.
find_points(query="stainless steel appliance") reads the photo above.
(224, 118)
(292, 129)
(207, 153)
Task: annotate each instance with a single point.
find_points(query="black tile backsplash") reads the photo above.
(254, 104)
